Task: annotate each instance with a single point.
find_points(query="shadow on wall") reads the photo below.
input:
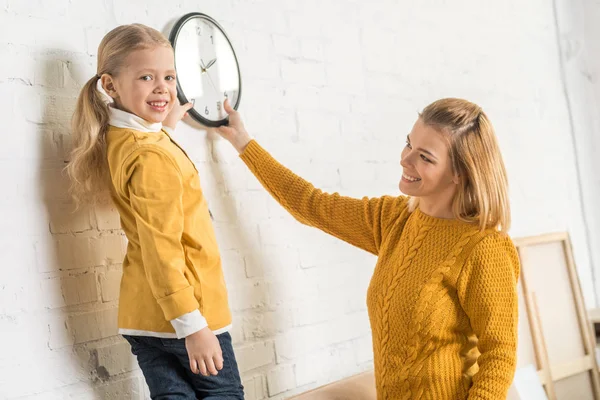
(85, 251)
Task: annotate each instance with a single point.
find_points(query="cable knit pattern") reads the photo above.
(443, 297)
(383, 322)
(417, 329)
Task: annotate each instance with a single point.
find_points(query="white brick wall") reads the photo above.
(331, 87)
(580, 53)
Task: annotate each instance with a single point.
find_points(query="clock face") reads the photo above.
(207, 68)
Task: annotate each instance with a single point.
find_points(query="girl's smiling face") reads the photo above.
(146, 85)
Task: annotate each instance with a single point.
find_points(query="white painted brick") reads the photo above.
(310, 369)
(325, 366)
(127, 389)
(344, 77)
(35, 32)
(257, 56)
(282, 126)
(270, 232)
(255, 355)
(248, 295)
(93, 37)
(305, 23)
(106, 215)
(305, 72)
(53, 73)
(294, 343)
(93, 325)
(114, 247)
(256, 204)
(80, 289)
(50, 148)
(74, 252)
(59, 335)
(79, 391)
(128, 13)
(63, 218)
(38, 8)
(310, 122)
(287, 46)
(281, 379)
(353, 175)
(116, 358)
(271, 261)
(233, 265)
(45, 252)
(317, 310)
(237, 330)
(312, 49)
(296, 286)
(266, 18)
(254, 388)
(379, 58)
(17, 65)
(266, 324)
(110, 284)
(363, 349)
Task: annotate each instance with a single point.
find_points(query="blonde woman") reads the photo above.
(443, 297)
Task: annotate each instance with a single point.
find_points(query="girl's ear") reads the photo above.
(108, 83)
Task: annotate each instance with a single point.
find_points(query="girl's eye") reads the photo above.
(146, 78)
(408, 144)
(170, 78)
(425, 158)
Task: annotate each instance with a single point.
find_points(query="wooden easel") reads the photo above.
(565, 373)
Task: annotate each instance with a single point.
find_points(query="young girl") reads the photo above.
(172, 285)
(443, 297)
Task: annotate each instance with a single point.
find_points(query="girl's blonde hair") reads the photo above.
(87, 168)
(482, 195)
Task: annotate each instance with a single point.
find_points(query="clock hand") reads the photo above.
(211, 82)
(210, 63)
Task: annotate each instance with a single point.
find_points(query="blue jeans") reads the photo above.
(166, 367)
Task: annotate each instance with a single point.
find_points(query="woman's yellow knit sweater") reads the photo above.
(443, 298)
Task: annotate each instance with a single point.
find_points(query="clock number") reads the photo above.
(218, 106)
(225, 94)
(199, 30)
(206, 110)
(211, 40)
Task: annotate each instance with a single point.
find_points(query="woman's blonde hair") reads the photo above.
(482, 195)
(87, 168)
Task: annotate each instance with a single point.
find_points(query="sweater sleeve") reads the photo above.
(153, 183)
(360, 222)
(487, 290)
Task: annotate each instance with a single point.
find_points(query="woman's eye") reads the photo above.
(408, 145)
(146, 78)
(170, 78)
(425, 158)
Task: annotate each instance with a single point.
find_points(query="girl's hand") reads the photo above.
(235, 132)
(204, 352)
(176, 114)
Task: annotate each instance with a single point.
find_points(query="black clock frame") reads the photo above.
(180, 94)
